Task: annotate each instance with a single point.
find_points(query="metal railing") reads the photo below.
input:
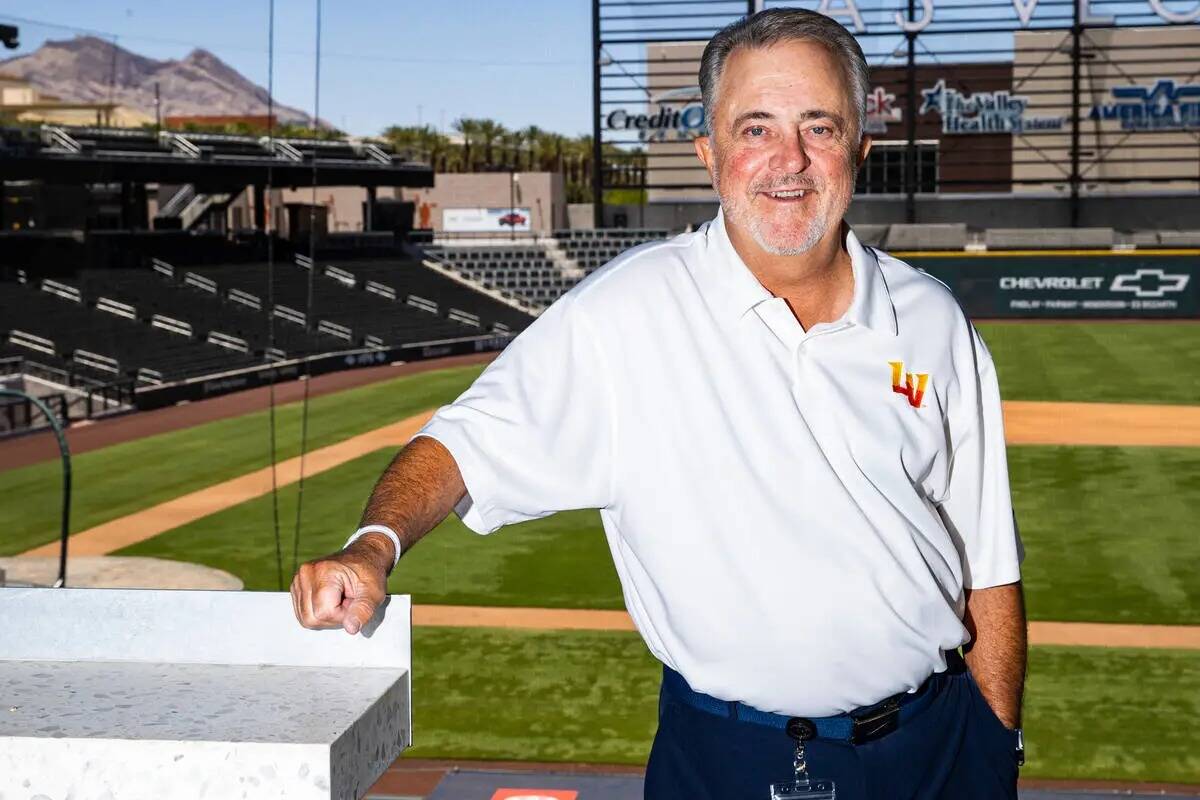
(1070, 98)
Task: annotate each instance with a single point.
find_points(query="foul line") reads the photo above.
(1078, 634)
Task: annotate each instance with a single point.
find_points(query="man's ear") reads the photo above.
(864, 147)
(703, 145)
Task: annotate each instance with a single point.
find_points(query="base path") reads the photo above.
(1027, 422)
(1081, 634)
(150, 522)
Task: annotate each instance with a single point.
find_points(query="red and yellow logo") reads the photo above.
(913, 386)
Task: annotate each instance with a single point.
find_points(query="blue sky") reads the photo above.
(520, 62)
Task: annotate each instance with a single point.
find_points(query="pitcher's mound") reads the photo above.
(116, 572)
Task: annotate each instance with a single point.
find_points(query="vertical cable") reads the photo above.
(312, 274)
(271, 284)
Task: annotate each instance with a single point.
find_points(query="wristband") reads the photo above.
(385, 530)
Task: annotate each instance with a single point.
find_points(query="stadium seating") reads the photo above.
(152, 293)
(109, 345)
(373, 302)
(538, 271)
(591, 249)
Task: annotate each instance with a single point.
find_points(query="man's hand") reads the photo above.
(416, 492)
(344, 589)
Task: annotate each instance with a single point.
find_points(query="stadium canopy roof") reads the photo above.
(76, 155)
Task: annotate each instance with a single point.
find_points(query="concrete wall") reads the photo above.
(543, 193)
(343, 204)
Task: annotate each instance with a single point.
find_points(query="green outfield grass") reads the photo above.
(589, 696)
(1116, 362)
(1108, 531)
(125, 478)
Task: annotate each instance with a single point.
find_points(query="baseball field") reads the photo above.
(1106, 495)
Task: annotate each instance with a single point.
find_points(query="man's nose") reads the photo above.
(791, 156)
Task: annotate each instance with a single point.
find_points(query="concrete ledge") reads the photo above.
(1179, 238)
(873, 235)
(195, 694)
(1048, 238)
(934, 236)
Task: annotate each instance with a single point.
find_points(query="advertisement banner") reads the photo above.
(485, 220)
(1117, 286)
(202, 387)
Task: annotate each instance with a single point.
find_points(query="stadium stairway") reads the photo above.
(537, 271)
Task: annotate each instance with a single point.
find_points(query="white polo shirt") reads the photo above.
(792, 524)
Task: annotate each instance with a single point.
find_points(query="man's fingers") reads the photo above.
(327, 598)
(358, 614)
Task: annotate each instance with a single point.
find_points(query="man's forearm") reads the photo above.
(995, 619)
(416, 492)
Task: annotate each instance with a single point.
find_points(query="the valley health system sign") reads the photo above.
(983, 112)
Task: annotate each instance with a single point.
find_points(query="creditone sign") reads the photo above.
(484, 220)
(982, 112)
(1161, 106)
(1068, 286)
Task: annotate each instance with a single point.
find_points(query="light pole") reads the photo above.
(512, 203)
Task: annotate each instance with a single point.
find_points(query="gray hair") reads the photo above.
(776, 25)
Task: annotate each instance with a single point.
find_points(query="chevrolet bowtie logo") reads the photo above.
(1149, 282)
(913, 386)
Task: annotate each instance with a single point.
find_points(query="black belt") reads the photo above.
(860, 725)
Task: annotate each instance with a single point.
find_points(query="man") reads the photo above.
(796, 447)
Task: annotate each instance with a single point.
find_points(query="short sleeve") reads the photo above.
(977, 507)
(534, 433)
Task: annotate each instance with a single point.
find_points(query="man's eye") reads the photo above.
(756, 130)
(819, 130)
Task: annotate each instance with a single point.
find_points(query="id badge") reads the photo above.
(803, 790)
(800, 786)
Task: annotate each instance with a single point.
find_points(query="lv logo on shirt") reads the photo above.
(914, 385)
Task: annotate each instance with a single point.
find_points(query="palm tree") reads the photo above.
(489, 132)
(469, 128)
(533, 137)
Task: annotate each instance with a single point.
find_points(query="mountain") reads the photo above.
(89, 69)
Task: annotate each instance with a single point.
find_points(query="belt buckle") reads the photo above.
(875, 723)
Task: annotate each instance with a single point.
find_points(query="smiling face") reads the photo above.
(784, 149)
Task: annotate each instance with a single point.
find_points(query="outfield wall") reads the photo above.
(206, 386)
(1070, 284)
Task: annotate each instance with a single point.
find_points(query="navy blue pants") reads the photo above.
(954, 748)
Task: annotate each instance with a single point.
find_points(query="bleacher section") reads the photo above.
(109, 345)
(538, 271)
(179, 297)
(592, 249)
(160, 323)
(525, 271)
(378, 302)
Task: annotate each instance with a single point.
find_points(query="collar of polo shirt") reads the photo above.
(871, 306)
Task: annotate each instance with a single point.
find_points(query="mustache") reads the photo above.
(790, 185)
